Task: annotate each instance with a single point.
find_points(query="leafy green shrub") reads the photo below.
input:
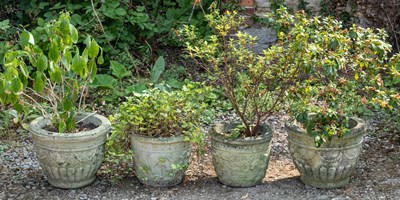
(52, 69)
(254, 84)
(339, 70)
(157, 112)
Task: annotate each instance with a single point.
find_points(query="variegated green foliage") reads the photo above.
(340, 70)
(51, 74)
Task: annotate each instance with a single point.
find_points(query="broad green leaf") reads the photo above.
(118, 70)
(26, 38)
(93, 50)
(5, 24)
(16, 85)
(157, 69)
(137, 88)
(103, 80)
(53, 52)
(174, 83)
(78, 65)
(66, 60)
(42, 63)
(74, 33)
(55, 73)
(120, 11)
(64, 24)
(38, 84)
(24, 69)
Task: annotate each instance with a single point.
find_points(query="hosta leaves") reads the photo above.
(119, 70)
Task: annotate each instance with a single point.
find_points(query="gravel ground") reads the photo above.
(377, 175)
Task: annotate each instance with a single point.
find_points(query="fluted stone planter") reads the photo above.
(240, 162)
(70, 160)
(160, 162)
(330, 165)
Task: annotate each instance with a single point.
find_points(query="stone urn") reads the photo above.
(330, 165)
(240, 162)
(160, 162)
(70, 160)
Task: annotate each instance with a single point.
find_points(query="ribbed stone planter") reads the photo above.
(240, 162)
(160, 162)
(330, 165)
(70, 160)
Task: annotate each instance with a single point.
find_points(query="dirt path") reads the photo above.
(376, 177)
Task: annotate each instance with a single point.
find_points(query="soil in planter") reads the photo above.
(79, 128)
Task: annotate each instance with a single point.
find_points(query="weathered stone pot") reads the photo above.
(330, 165)
(70, 160)
(240, 162)
(160, 162)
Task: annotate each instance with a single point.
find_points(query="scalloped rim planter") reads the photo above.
(240, 162)
(160, 162)
(70, 160)
(331, 165)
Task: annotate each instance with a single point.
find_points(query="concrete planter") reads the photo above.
(330, 165)
(70, 160)
(240, 162)
(160, 162)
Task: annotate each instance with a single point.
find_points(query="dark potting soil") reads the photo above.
(79, 128)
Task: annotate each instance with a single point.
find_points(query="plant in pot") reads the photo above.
(50, 74)
(339, 74)
(159, 124)
(255, 85)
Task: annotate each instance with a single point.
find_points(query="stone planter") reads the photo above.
(240, 162)
(160, 162)
(330, 165)
(70, 160)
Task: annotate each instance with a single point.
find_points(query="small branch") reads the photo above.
(99, 21)
(42, 110)
(83, 119)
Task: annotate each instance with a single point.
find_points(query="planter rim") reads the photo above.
(264, 137)
(358, 129)
(36, 127)
(149, 139)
